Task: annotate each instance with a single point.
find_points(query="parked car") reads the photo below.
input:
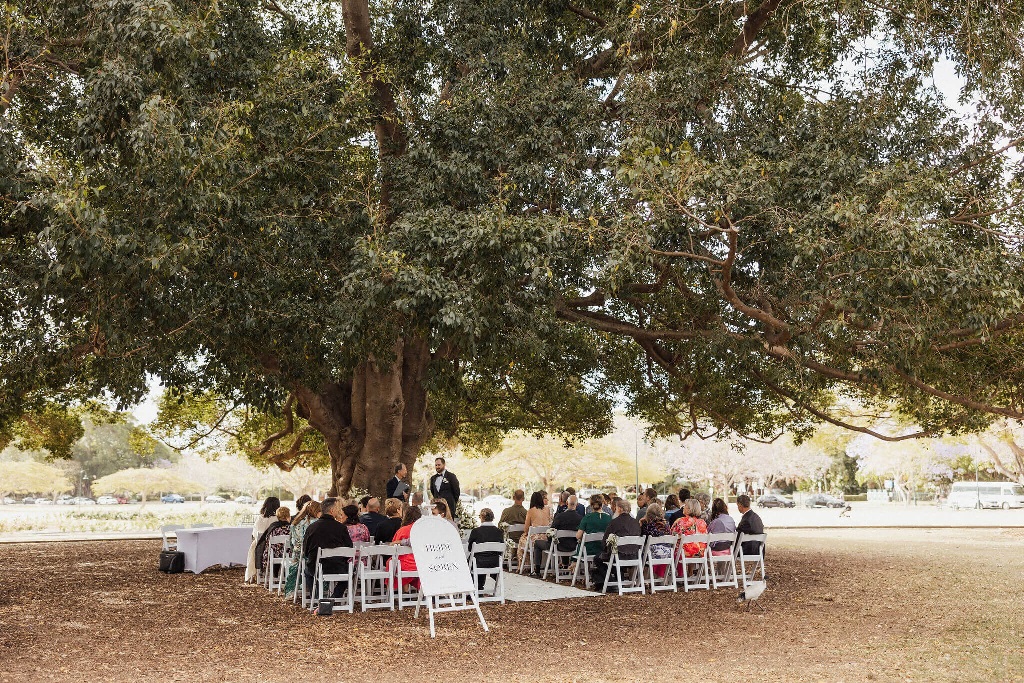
(772, 500)
(823, 500)
(65, 500)
(467, 500)
(172, 498)
(245, 500)
(106, 500)
(9, 501)
(44, 501)
(82, 500)
(215, 499)
(29, 500)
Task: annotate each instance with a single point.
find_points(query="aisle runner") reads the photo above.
(519, 588)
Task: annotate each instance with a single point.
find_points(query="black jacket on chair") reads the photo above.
(326, 532)
(488, 533)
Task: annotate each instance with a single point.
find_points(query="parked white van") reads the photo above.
(986, 494)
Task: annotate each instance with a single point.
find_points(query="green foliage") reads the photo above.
(32, 477)
(730, 232)
(144, 481)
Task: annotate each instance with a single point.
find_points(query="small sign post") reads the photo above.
(442, 567)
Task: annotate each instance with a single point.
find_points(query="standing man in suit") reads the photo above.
(397, 488)
(445, 485)
(750, 523)
(487, 532)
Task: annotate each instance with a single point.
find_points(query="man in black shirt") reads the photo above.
(327, 532)
(622, 524)
(372, 518)
(397, 488)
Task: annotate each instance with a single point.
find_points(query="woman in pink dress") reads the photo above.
(357, 531)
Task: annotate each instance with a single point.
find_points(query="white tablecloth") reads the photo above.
(204, 548)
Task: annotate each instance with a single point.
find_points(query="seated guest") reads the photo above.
(566, 520)
(386, 529)
(622, 524)
(372, 517)
(417, 501)
(309, 513)
(357, 531)
(487, 532)
(538, 515)
(327, 532)
(281, 527)
(407, 562)
(705, 505)
(440, 509)
(606, 507)
(595, 521)
(514, 514)
(363, 502)
(721, 523)
(690, 523)
(654, 524)
(267, 516)
(643, 500)
(750, 523)
(684, 495)
(581, 509)
(671, 506)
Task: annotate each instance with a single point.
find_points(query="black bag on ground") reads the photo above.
(172, 562)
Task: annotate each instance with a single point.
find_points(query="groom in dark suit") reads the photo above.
(445, 485)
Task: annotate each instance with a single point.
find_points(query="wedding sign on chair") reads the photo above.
(443, 570)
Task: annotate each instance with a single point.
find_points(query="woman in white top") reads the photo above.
(268, 515)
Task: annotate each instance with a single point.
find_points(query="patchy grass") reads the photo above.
(842, 605)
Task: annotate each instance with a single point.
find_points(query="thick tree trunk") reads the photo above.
(373, 421)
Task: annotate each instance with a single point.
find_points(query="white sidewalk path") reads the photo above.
(520, 588)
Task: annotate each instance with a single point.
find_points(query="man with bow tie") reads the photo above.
(444, 485)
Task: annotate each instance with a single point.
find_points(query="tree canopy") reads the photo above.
(403, 221)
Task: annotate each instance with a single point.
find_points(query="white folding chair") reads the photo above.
(202, 526)
(376, 589)
(167, 531)
(692, 571)
(668, 581)
(722, 567)
(511, 556)
(300, 581)
(617, 563)
(323, 578)
(751, 563)
(279, 550)
(412, 598)
(529, 550)
(555, 556)
(584, 559)
(497, 594)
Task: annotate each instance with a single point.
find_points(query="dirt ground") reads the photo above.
(842, 605)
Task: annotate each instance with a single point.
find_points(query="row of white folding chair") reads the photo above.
(617, 563)
(279, 553)
(554, 556)
(716, 567)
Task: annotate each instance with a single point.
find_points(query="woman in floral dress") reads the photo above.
(357, 531)
(309, 514)
(654, 524)
(691, 523)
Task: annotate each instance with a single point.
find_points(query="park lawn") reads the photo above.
(842, 605)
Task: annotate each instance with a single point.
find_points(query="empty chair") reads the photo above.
(329, 577)
(721, 560)
(617, 563)
(584, 561)
(751, 562)
(511, 557)
(660, 552)
(376, 588)
(497, 594)
(279, 550)
(530, 549)
(167, 531)
(693, 570)
(555, 555)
